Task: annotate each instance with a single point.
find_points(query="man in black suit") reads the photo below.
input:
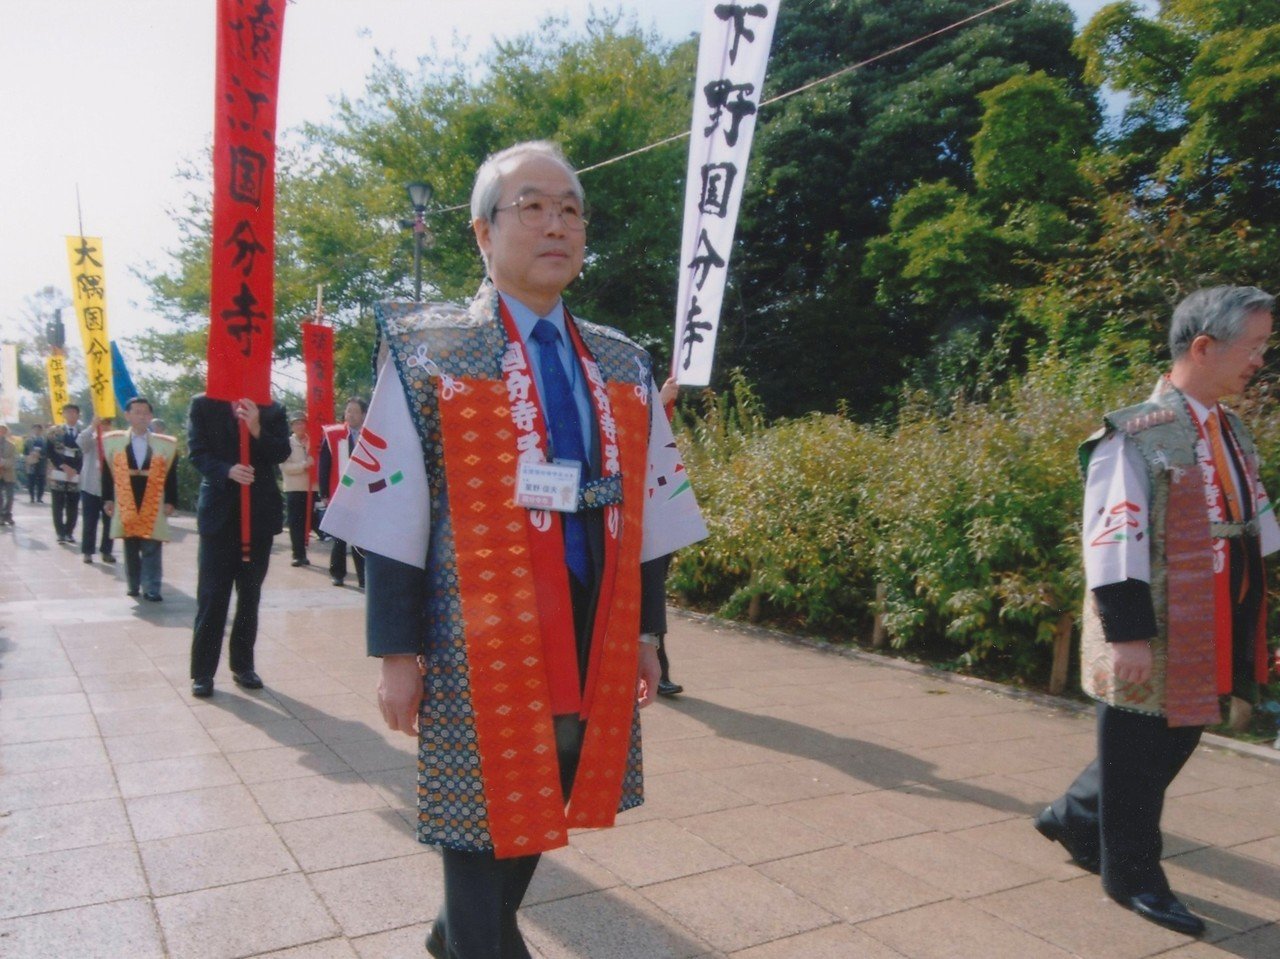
(213, 440)
(64, 484)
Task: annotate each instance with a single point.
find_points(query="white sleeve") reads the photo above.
(382, 502)
(1115, 533)
(671, 516)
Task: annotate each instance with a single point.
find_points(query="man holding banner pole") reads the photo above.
(513, 552)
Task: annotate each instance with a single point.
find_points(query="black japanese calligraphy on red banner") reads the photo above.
(242, 287)
(317, 356)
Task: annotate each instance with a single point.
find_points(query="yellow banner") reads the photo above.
(59, 395)
(89, 293)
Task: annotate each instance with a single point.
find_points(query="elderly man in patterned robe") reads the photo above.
(515, 488)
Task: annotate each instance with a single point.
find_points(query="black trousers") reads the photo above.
(91, 509)
(66, 508)
(35, 482)
(295, 504)
(482, 893)
(1115, 804)
(338, 561)
(220, 568)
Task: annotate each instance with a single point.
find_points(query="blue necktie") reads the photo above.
(565, 429)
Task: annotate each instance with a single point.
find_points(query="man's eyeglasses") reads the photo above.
(536, 210)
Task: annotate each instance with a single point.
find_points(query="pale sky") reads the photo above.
(115, 95)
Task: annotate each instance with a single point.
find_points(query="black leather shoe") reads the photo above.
(338, 582)
(1165, 909)
(88, 560)
(248, 679)
(132, 592)
(1047, 825)
(436, 945)
(108, 558)
(667, 688)
(153, 597)
(202, 688)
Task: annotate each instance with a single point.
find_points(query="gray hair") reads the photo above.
(1218, 312)
(488, 186)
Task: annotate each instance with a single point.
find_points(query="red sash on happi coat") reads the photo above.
(514, 589)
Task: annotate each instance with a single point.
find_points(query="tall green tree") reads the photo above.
(600, 92)
(801, 318)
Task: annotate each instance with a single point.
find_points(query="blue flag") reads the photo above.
(120, 379)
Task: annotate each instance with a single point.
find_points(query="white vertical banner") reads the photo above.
(732, 56)
(8, 383)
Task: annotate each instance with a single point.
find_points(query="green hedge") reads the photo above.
(969, 519)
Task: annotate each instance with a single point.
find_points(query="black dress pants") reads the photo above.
(1115, 804)
(91, 509)
(296, 509)
(482, 893)
(338, 561)
(66, 508)
(220, 568)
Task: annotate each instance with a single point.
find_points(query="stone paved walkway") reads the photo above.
(801, 805)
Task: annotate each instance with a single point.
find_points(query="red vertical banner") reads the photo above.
(317, 357)
(242, 286)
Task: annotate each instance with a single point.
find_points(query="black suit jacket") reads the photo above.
(213, 444)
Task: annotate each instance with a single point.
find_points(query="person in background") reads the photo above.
(213, 442)
(35, 448)
(91, 499)
(666, 686)
(1176, 524)
(297, 483)
(140, 493)
(64, 477)
(339, 440)
(8, 475)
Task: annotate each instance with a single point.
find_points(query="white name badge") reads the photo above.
(551, 486)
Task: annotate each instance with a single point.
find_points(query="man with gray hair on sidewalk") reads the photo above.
(501, 488)
(1176, 523)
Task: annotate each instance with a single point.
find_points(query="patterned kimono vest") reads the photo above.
(145, 520)
(487, 770)
(1183, 684)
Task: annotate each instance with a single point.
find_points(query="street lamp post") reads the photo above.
(419, 197)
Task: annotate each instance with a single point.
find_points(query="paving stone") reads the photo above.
(56, 787)
(285, 800)
(17, 758)
(196, 811)
(617, 923)
(378, 896)
(25, 832)
(960, 868)
(752, 834)
(957, 930)
(187, 863)
(244, 919)
(853, 820)
(46, 882)
(110, 930)
(286, 762)
(840, 941)
(178, 774)
(330, 842)
(650, 852)
(1078, 917)
(851, 884)
(737, 907)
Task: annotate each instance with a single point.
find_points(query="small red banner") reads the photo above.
(317, 356)
(242, 286)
